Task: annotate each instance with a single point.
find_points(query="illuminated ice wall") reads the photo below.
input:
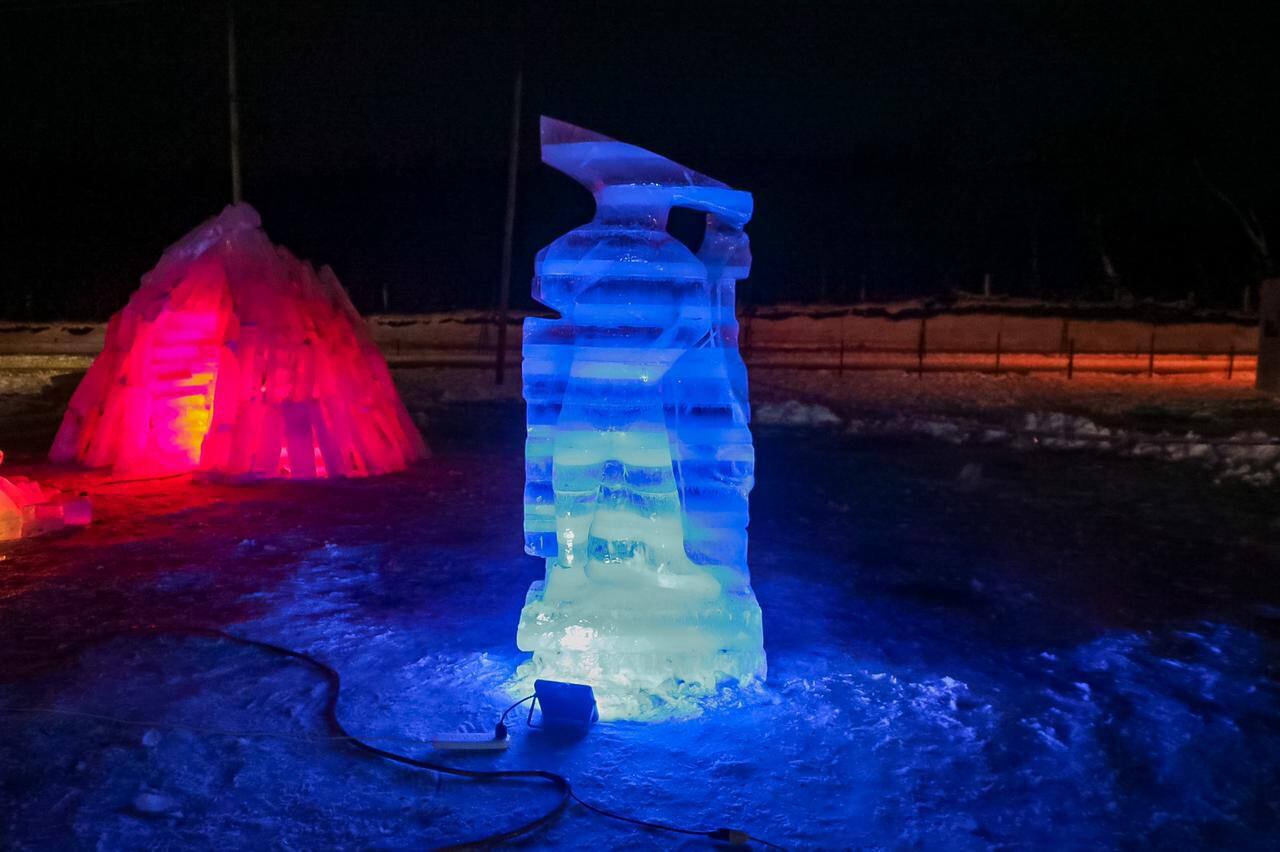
(639, 459)
(236, 358)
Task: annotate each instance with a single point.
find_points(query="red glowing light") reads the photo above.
(29, 508)
(236, 358)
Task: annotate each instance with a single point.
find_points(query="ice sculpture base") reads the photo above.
(642, 655)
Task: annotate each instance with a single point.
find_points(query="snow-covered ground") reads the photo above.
(1225, 428)
(970, 645)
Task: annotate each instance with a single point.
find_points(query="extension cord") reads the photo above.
(338, 733)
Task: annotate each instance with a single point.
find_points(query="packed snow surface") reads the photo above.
(969, 647)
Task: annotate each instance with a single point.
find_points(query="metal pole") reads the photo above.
(840, 372)
(1151, 355)
(1071, 358)
(998, 348)
(233, 102)
(508, 231)
(1231, 361)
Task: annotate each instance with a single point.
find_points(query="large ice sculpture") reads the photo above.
(639, 459)
(236, 358)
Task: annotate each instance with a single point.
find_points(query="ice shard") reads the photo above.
(639, 459)
(28, 508)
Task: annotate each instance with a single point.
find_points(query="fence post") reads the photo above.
(998, 347)
(1231, 361)
(1071, 358)
(1151, 355)
(921, 347)
(840, 371)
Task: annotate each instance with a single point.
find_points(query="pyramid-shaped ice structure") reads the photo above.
(235, 358)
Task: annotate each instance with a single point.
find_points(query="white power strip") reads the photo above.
(469, 742)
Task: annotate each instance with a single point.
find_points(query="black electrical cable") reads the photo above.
(334, 681)
(340, 733)
(501, 730)
(734, 836)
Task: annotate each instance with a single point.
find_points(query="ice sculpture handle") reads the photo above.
(729, 208)
(725, 251)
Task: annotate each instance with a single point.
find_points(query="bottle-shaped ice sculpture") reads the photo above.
(639, 459)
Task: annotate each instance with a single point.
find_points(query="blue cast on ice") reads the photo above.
(639, 459)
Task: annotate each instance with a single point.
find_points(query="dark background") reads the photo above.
(901, 147)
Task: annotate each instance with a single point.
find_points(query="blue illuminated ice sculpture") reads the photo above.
(639, 459)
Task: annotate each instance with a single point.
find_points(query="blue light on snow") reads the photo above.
(639, 459)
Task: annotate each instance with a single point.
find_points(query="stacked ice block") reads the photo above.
(639, 459)
(236, 358)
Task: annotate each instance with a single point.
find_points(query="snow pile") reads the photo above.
(795, 413)
(952, 430)
(1060, 431)
(1252, 457)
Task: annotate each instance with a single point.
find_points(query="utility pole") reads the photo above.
(508, 232)
(233, 102)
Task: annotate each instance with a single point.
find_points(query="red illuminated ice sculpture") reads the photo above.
(237, 359)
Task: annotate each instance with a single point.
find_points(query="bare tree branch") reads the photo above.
(1248, 219)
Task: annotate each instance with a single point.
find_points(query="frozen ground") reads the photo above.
(970, 646)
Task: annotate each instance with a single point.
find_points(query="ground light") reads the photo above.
(567, 708)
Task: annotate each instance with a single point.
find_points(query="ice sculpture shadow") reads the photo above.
(638, 458)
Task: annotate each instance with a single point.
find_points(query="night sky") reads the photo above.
(901, 147)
